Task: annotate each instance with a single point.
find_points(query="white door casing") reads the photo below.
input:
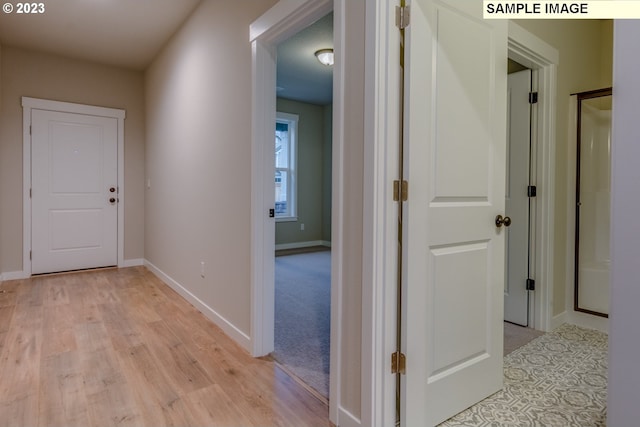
(516, 295)
(69, 120)
(542, 59)
(74, 191)
(283, 20)
(455, 121)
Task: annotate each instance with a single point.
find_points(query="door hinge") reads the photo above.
(531, 285)
(30, 129)
(29, 255)
(531, 191)
(398, 363)
(533, 97)
(403, 17)
(30, 193)
(400, 191)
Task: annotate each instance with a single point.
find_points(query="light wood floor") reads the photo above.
(118, 347)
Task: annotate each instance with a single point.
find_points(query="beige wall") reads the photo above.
(198, 157)
(585, 48)
(38, 75)
(310, 174)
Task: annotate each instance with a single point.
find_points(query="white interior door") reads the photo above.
(455, 125)
(74, 191)
(516, 295)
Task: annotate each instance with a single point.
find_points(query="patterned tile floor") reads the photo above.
(558, 379)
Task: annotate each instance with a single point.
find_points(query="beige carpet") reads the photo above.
(516, 336)
(303, 316)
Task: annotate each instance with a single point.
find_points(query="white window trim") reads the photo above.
(292, 185)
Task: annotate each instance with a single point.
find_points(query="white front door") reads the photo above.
(455, 129)
(74, 191)
(516, 295)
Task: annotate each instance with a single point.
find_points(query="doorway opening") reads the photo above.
(535, 55)
(266, 33)
(520, 193)
(303, 170)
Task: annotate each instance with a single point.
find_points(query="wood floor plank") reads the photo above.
(20, 363)
(138, 305)
(121, 327)
(58, 330)
(62, 394)
(6, 315)
(187, 372)
(227, 411)
(20, 411)
(109, 395)
(55, 291)
(155, 394)
(8, 293)
(117, 347)
(81, 297)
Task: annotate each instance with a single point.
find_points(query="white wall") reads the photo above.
(624, 335)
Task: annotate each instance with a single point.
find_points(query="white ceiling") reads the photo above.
(299, 75)
(126, 33)
(130, 33)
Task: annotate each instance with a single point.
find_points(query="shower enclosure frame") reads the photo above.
(581, 97)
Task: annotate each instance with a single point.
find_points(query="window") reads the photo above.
(285, 162)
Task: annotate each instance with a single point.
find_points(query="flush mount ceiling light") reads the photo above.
(325, 56)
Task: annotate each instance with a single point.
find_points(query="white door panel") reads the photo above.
(74, 167)
(516, 296)
(455, 111)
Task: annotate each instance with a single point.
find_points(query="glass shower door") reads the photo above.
(593, 183)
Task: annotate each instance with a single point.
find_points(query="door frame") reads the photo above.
(543, 59)
(381, 168)
(283, 20)
(29, 104)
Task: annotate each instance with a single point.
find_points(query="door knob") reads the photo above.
(500, 221)
(112, 190)
(112, 200)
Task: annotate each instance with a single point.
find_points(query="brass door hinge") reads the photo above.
(403, 16)
(400, 191)
(398, 363)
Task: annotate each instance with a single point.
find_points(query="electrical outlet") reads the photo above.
(202, 269)
(301, 227)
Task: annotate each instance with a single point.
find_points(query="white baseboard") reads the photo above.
(347, 419)
(236, 334)
(558, 320)
(589, 321)
(134, 262)
(583, 320)
(13, 275)
(298, 245)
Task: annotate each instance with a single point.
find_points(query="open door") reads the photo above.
(454, 162)
(516, 294)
